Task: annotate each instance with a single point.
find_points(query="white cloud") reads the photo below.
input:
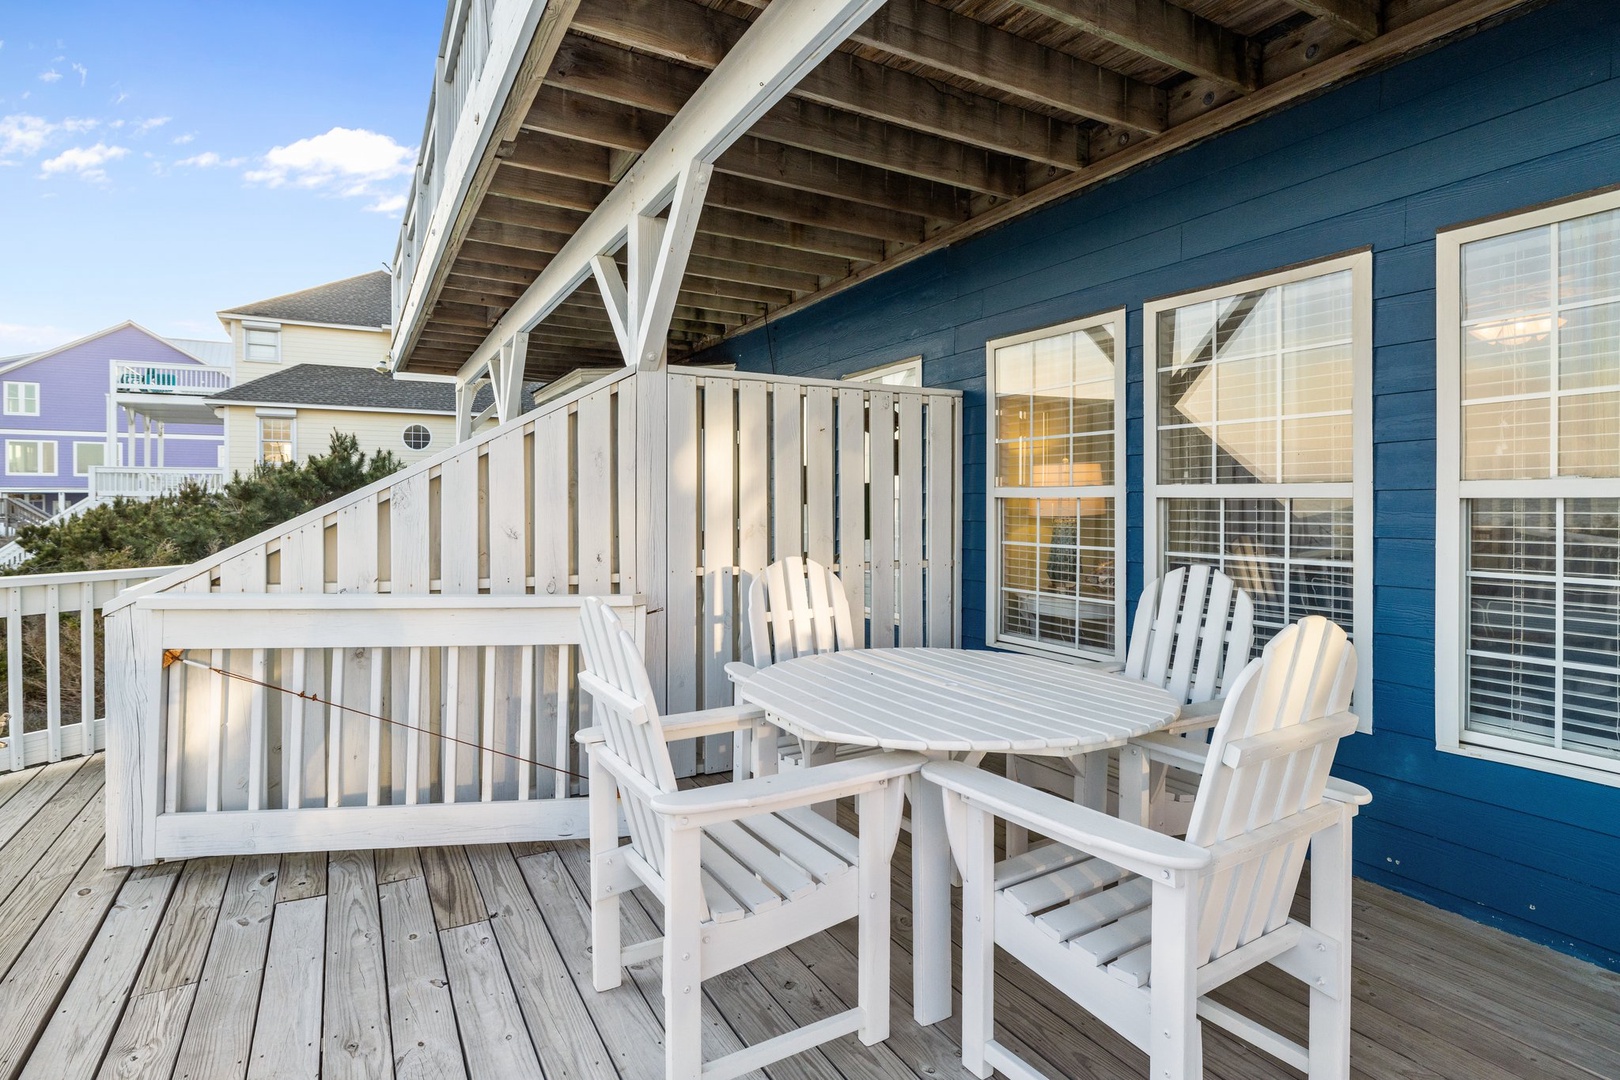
(21, 337)
(22, 135)
(79, 123)
(346, 162)
(388, 204)
(83, 161)
(149, 124)
(49, 75)
(210, 160)
(82, 71)
(181, 140)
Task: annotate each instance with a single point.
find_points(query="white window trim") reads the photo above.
(406, 443)
(262, 327)
(1359, 489)
(56, 464)
(9, 411)
(1450, 604)
(86, 472)
(876, 374)
(1118, 490)
(292, 428)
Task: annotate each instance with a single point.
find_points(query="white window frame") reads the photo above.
(260, 328)
(56, 464)
(1359, 489)
(22, 388)
(876, 374)
(1450, 544)
(292, 432)
(1118, 491)
(77, 471)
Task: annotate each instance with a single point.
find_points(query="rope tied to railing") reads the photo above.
(178, 656)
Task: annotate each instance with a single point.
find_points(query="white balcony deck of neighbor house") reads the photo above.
(151, 397)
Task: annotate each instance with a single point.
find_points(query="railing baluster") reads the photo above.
(452, 721)
(216, 732)
(413, 717)
(292, 734)
(374, 704)
(486, 760)
(53, 670)
(257, 741)
(334, 731)
(14, 675)
(87, 667)
(525, 717)
(173, 734)
(565, 671)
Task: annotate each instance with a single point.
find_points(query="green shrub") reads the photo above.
(194, 523)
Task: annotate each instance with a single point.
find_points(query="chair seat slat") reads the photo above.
(813, 858)
(1077, 879)
(1096, 911)
(789, 881)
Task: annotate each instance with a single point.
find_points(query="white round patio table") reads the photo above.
(953, 703)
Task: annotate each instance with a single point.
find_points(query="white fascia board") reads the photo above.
(265, 322)
(289, 409)
(782, 46)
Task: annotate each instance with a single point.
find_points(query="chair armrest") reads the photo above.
(1199, 715)
(739, 672)
(697, 807)
(589, 736)
(1167, 749)
(1126, 845)
(1343, 791)
(719, 721)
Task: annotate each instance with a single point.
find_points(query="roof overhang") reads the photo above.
(877, 134)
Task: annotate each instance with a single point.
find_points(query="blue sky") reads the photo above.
(161, 161)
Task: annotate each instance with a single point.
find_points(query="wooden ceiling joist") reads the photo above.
(598, 69)
(1358, 18)
(1164, 31)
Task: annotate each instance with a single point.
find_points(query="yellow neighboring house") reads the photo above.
(309, 363)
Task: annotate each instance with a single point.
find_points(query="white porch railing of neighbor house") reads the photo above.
(135, 377)
(122, 481)
(446, 593)
(52, 669)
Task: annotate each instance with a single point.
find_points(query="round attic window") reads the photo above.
(418, 437)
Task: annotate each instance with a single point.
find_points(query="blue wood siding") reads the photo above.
(1512, 117)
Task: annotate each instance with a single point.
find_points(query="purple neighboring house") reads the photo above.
(56, 408)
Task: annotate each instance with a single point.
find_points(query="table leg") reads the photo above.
(1091, 779)
(930, 904)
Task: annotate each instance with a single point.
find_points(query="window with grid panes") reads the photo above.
(1258, 455)
(1528, 522)
(1056, 461)
(275, 440)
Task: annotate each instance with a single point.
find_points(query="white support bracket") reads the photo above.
(782, 46)
(466, 391)
(506, 376)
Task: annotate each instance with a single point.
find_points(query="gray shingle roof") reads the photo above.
(351, 387)
(355, 388)
(365, 300)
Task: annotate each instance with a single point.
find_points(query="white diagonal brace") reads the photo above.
(507, 377)
(617, 300)
(657, 293)
(787, 40)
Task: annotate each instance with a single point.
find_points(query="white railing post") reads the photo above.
(134, 734)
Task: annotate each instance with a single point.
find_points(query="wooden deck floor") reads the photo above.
(474, 962)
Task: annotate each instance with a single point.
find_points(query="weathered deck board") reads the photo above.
(198, 970)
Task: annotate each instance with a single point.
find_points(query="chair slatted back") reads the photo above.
(623, 707)
(1268, 760)
(798, 607)
(1192, 633)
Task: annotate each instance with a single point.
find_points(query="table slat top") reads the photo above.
(957, 700)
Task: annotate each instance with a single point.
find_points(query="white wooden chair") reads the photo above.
(1138, 927)
(743, 869)
(1191, 635)
(796, 607)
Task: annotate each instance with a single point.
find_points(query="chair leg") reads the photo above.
(606, 970)
(1017, 835)
(1175, 1043)
(872, 960)
(978, 940)
(683, 957)
(1330, 915)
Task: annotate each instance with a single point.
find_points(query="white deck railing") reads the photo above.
(135, 377)
(42, 672)
(668, 488)
(121, 481)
